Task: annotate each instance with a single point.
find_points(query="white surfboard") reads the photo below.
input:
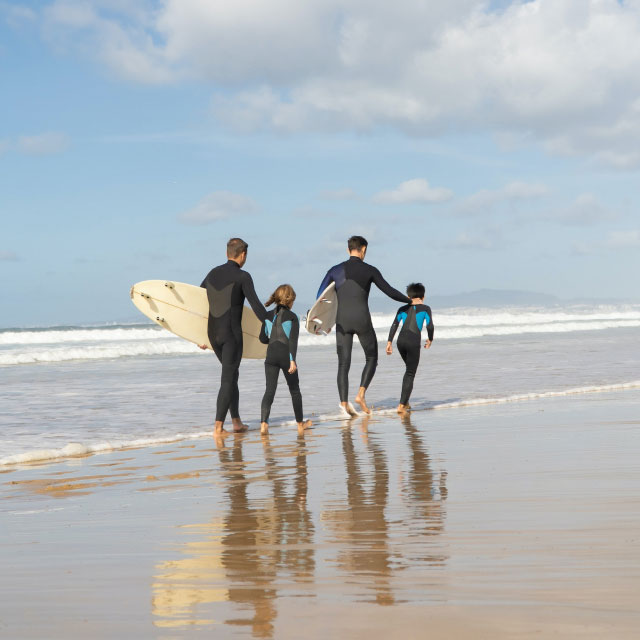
(322, 316)
(183, 309)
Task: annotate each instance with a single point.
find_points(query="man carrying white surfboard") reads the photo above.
(353, 280)
(227, 288)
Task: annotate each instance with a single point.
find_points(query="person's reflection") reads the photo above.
(293, 526)
(426, 492)
(249, 546)
(365, 550)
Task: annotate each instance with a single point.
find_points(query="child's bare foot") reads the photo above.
(348, 409)
(402, 408)
(305, 424)
(264, 428)
(359, 400)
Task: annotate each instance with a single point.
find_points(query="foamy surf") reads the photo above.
(52, 345)
(75, 449)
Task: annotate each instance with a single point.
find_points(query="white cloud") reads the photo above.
(339, 194)
(486, 199)
(43, 144)
(558, 72)
(417, 190)
(218, 205)
(8, 256)
(624, 239)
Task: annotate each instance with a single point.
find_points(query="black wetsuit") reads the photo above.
(227, 287)
(280, 331)
(413, 318)
(353, 280)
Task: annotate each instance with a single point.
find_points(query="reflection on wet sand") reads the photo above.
(260, 543)
(380, 543)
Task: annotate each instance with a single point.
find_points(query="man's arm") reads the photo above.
(252, 297)
(387, 289)
(328, 279)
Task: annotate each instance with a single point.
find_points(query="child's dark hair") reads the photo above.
(284, 295)
(415, 290)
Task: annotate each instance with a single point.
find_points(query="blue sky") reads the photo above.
(476, 145)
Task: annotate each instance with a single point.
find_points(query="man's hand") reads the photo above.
(427, 344)
(389, 348)
(203, 347)
(292, 367)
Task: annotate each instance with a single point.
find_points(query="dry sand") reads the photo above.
(504, 521)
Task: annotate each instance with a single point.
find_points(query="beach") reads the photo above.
(504, 506)
(497, 521)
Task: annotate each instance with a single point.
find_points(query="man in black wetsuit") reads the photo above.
(353, 280)
(227, 287)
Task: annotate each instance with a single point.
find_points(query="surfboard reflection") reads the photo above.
(242, 557)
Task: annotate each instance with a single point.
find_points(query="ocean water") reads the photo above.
(75, 390)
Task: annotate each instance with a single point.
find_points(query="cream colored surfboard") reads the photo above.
(183, 309)
(322, 316)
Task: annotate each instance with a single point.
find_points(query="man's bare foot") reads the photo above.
(264, 428)
(305, 424)
(218, 427)
(359, 399)
(239, 426)
(347, 407)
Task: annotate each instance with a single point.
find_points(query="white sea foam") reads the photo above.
(75, 449)
(19, 347)
(65, 336)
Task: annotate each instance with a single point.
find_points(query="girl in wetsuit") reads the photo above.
(280, 331)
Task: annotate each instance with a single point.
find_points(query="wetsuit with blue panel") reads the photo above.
(227, 288)
(413, 318)
(353, 280)
(280, 331)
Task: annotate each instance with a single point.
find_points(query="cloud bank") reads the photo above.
(559, 73)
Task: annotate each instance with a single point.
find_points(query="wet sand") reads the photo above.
(503, 521)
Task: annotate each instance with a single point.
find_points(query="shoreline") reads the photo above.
(78, 450)
(500, 521)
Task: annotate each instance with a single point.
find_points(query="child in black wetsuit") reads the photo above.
(413, 317)
(280, 331)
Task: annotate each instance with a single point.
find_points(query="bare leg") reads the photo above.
(218, 427)
(359, 399)
(264, 428)
(304, 425)
(403, 408)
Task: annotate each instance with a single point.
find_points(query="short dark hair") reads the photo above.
(236, 247)
(357, 242)
(415, 290)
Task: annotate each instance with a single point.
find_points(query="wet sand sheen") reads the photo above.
(490, 522)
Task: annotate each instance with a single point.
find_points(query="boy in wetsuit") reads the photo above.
(280, 331)
(227, 288)
(413, 317)
(353, 280)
